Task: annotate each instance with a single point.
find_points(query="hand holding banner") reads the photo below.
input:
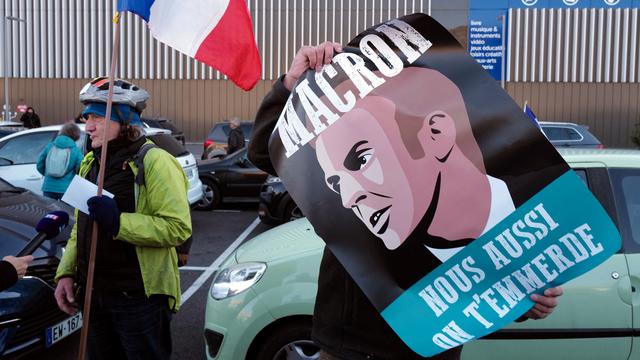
(442, 200)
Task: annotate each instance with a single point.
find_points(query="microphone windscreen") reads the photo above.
(52, 223)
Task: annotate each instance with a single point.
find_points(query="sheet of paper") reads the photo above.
(79, 191)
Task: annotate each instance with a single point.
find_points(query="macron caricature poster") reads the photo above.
(439, 196)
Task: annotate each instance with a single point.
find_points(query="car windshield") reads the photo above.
(220, 132)
(163, 124)
(561, 133)
(152, 123)
(169, 144)
(166, 124)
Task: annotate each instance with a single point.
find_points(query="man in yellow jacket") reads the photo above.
(136, 283)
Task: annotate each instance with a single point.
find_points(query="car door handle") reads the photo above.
(33, 178)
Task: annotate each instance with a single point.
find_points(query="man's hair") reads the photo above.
(71, 130)
(235, 121)
(130, 132)
(413, 105)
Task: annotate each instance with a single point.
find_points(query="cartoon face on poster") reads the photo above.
(446, 205)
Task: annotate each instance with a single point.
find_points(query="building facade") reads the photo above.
(571, 60)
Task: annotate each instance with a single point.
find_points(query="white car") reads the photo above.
(19, 153)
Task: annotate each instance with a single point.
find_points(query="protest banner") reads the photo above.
(443, 201)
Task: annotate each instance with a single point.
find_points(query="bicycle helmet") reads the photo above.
(124, 93)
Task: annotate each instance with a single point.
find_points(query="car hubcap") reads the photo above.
(298, 350)
(208, 195)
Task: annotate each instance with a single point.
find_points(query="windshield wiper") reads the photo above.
(12, 191)
(8, 160)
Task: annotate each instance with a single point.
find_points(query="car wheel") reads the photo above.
(289, 342)
(216, 154)
(210, 195)
(292, 212)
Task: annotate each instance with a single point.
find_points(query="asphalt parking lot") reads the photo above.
(213, 232)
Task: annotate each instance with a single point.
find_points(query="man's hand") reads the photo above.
(20, 263)
(310, 57)
(64, 296)
(104, 211)
(544, 304)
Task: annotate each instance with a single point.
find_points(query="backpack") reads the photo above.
(57, 162)
(183, 249)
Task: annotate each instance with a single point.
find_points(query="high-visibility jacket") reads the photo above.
(162, 221)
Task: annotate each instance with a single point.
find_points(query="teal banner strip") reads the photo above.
(557, 235)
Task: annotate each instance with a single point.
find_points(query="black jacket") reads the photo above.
(8, 275)
(345, 323)
(235, 141)
(116, 265)
(30, 120)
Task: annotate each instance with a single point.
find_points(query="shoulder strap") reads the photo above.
(138, 161)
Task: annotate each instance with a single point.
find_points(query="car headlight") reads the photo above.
(236, 279)
(273, 180)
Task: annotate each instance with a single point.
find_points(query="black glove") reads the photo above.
(104, 211)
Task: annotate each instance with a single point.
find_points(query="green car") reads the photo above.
(260, 304)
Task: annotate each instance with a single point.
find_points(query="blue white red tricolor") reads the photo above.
(216, 32)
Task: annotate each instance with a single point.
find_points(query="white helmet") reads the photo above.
(124, 92)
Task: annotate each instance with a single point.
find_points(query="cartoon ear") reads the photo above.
(439, 132)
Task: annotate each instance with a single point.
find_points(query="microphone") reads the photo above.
(48, 227)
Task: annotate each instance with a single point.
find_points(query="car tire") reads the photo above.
(289, 341)
(292, 212)
(211, 196)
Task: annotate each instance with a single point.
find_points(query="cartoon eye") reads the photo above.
(356, 158)
(364, 159)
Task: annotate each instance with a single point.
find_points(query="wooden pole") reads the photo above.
(94, 233)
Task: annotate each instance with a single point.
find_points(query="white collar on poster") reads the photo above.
(501, 207)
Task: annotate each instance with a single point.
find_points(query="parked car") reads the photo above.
(564, 134)
(215, 145)
(234, 178)
(261, 300)
(162, 123)
(276, 205)
(19, 153)
(28, 309)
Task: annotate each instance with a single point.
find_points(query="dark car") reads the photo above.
(563, 134)
(276, 205)
(215, 145)
(234, 178)
(29, 316)
(162, 123)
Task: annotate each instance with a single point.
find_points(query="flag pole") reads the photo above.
(94, 233)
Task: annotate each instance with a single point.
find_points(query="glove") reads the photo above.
(104, 211)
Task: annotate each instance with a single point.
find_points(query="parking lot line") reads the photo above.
(214, 265)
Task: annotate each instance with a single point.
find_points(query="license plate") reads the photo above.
(63, 329)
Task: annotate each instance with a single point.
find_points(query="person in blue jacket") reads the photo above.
(59, 161)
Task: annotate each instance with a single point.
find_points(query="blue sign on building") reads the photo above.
(485, 39)
(485, 24)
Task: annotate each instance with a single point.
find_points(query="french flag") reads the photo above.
(215, 32)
